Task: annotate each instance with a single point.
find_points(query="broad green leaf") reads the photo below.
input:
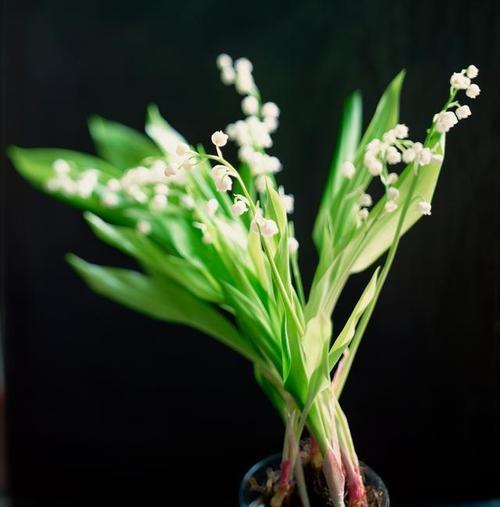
(259, 260)
(386, 115)
(286, 353)
(318, 332)
(162, 133)
(347, 143)
(162, 300)
(381, 233)
(319, 380)
(275, 209)
(120, 145)
(254, 321)
(296, 383)
(144, 250)
(344, 338)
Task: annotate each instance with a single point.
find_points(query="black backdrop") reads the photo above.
(106, 405)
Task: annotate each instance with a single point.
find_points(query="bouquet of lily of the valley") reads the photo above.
(216, 249)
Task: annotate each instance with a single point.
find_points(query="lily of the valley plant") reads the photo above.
(217, 251)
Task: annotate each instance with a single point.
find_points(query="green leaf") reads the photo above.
(320, 378)
(259, 260)
(254, 321)
(276, 209)
(382, 230)
(162, 133)
(122, 146)
(296, 383)
(318, 332)
(344, 338)
(386, 115)
(348, 139)
(160, 299)
(143, 249)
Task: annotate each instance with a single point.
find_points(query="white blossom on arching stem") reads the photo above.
(250, 105)
(227, 75)
(268, 228)
(182, 150)
(85, 188)
(271, 123)
(293, 246)
(424, 157)
(288, 199)
(459, 81)
(245, 153)
(373, 164)
(392, 178)
(188, 164)
(114, 185)
(222, 180)
(393, 194)
(159, 202)
(270, 110)
(363, 213)
(244, 82)
(224, 60)
(348, 169)
(473, 91)
(401, 131)
(445, 120)
(109, 199)
(187, 201)
(206, 236)
(393, 156)
(389, 137)
(463, 112)
(472, 71)
(243, 65)
(424, 207)
(61, 166)
(239, 207)
(224, 184)
(261, 183)
(272, 164)
(161, 188)
(390, 206)
(212, 206)
(219, 139)
(409, 155)
(365, 200)
(143, 227)
(171, 170)
(373, 147)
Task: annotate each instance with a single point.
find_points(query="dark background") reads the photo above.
(106, 406)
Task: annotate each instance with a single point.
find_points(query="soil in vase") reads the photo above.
(260, 484)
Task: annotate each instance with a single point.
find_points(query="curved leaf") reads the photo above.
(120, 145)
(160, 299)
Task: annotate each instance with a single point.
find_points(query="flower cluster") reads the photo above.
(445, 120)
(395, 147)
(253, 134)
(142, 185)
(253, 137)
